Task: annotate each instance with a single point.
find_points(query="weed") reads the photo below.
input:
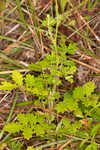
(58, 116)
(81, 102)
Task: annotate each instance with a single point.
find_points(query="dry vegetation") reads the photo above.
(23, 41)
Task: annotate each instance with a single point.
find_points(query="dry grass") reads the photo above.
(23, 41)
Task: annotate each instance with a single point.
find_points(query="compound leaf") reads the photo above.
(18, 78)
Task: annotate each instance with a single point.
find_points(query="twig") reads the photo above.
(19, 70)
(50, 144)
(7, 111)
(61, 148)
(92, 31)
(84, 64)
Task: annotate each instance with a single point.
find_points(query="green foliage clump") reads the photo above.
(7, 86)
(29, 124)
(17, 78)
(66, 126)
(80, 101)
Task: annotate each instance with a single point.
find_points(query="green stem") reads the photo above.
(10, 61)
(51, 144)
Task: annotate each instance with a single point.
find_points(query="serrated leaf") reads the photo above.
(27, 119)
(29, 81)
(30, 148)
(70, 102)
(12, 127)
(88, 88)
(92, 146)
(7, 86)
(71, 48)
(69, 63)
(29, 124)
(66, 122)
(27, 132)
(39, 130)
(96, 114)
(18, 78)
(78, 93)
(91, 101)
(49, 21)
(61, 107)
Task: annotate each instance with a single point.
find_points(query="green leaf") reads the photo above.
(29, 124)
(35, 67)
(49, 21)
(78, 93)
(69, 63)
(90, 101)
(96, 114)
(16, 145)
(70, 102)
(66, 122)
(7, 86)
(92, 146)
(63, 4)
(29, 81)
(95, 129)
(18, 78)
(39, 130)
(71, 48)
(15, 50)
(27, 132)
(61, 107)
(27, 119)
(12, 127)
(39, 148)
(88, 88)
(30, 148)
